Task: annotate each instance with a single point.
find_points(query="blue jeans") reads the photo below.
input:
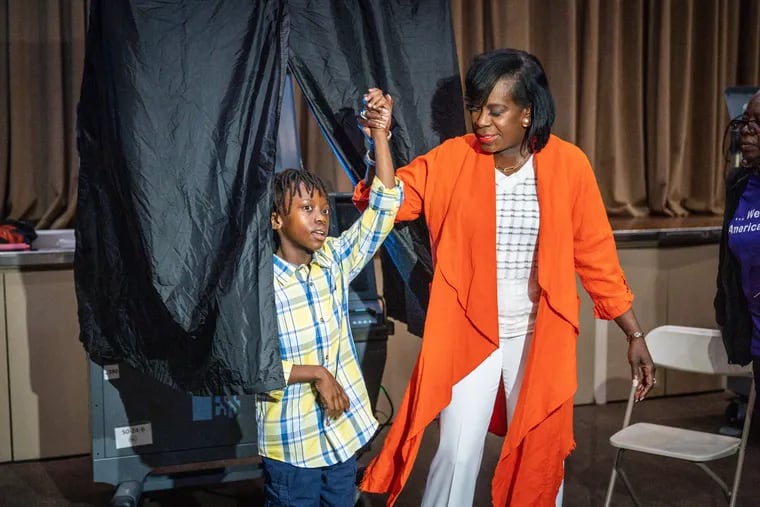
(290, 486)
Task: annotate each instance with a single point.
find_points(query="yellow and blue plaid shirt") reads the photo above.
(313, 328)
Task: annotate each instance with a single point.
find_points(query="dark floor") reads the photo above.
(67, 482)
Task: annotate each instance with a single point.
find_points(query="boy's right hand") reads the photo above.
(376, 113)
(332, 397)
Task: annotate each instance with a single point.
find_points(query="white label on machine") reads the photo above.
(110, 372)
(133, 436)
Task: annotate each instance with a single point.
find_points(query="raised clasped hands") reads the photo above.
(375, 116)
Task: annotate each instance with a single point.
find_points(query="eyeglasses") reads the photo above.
(739, 123)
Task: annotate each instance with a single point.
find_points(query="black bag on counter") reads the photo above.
(17, 231)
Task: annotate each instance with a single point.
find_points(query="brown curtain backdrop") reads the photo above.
(593, 55)
(638, 85)
(41, 60)
(316, 154)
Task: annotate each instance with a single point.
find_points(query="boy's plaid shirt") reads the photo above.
(313, 328)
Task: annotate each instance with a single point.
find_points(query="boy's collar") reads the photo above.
(284, 270)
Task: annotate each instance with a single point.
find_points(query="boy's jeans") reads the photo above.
(291, 486)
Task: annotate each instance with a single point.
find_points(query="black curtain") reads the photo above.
(408, 50)
(176, 129)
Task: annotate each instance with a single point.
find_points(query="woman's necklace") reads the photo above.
(510, 170)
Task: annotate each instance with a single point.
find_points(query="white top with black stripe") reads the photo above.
(517, 217)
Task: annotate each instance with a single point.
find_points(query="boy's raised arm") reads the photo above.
(378, 112)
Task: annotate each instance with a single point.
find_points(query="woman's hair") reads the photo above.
(287, 184)
(530, 89)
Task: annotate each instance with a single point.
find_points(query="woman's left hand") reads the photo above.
(642, 368)
(376, 113)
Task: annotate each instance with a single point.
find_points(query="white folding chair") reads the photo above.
(695, 350)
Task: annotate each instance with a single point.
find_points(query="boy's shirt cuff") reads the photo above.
(382, 198)
(287, 368)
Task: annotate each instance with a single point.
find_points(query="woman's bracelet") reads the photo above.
(370, 142)
(368, 160)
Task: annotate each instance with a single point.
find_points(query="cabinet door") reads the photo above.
(648, 282)
(5, 407)
(48, 368)
(691, 288)
(671, 286)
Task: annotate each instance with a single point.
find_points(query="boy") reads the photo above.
(309, 432)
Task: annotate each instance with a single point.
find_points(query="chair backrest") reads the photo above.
(693, 349)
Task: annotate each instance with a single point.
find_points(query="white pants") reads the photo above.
(464, 424)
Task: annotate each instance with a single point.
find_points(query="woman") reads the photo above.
(737, 303)
(514, 213)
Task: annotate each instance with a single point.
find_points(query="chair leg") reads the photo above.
(629, 487)
(613, 476)
(743, 445)
(617, 469)
(716, 478)
(737, 476)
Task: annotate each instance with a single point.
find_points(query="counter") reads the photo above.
(666, 231)
(50, 248)
(63, 258)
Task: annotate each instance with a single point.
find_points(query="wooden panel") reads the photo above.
(690, 296)
(5, 406)
(672, 286)
(648, 281)
(585, 352)
(48, 366)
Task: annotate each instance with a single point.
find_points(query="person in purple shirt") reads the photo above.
(737, 302)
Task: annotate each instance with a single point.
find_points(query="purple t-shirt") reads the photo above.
(744, 242)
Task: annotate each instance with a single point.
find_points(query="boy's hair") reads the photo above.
(287, 184)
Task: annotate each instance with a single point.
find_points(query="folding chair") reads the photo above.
(695, 350)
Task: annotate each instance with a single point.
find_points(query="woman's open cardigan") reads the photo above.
(453, 185)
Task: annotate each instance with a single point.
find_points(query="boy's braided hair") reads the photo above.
(287, 183)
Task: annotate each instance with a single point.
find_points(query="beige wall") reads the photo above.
(48, 372)
(5, 414)
(48, 368)
(672, 286)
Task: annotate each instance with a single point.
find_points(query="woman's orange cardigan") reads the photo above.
(453, 185)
